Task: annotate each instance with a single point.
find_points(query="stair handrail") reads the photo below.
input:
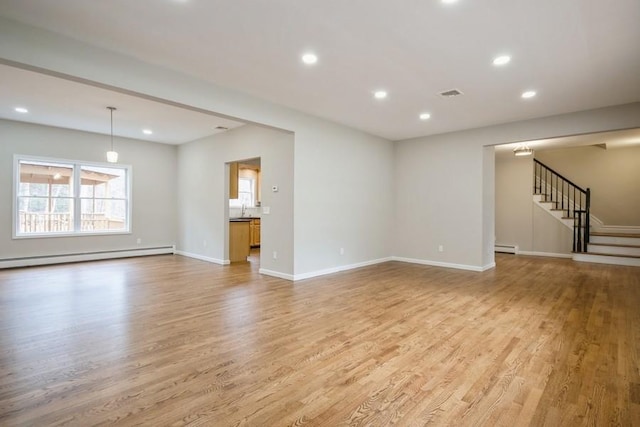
(581, 216)
(559, 175)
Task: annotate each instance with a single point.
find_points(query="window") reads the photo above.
(246, 193)
(57, 197)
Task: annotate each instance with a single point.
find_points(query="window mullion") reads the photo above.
(77, 207)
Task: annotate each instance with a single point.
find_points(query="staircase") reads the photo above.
(570, 204)
(612, 248)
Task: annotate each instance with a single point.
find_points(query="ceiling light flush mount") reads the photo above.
(528, 94)
(449, 1)
(425, 116)
(501, 60)
(309, 58)
(522, 150)
(147, 131)
(380, 94)
(21, 110)
(112, 156)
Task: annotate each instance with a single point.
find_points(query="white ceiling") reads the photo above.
(57, 102)
(577, 54)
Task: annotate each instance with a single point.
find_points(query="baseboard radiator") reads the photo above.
(84, 256)
(507, 249)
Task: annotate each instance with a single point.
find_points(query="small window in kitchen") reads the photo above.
(246, 193)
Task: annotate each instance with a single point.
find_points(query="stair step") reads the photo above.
(621, 249)
(611, 255)
(632, 261)
(614, 238)
(599, 233)
(617, 245)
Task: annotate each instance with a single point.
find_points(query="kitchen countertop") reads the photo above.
(243, 219)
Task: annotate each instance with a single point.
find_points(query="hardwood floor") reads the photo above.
(169, 340)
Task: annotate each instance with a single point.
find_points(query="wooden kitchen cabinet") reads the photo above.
(233, 180)
(239, 240)
(254, 228)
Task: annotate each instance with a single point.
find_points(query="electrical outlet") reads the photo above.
(275, 255)
(139, 240)
(440, 248)
(204, 243)
(341, 251)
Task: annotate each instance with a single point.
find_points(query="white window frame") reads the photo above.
(235, 203)
(77, 165)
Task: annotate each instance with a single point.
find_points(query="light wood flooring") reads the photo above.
(169, 341)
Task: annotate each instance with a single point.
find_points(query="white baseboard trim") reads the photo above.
(445, 264)
(204, 258)
(277, 274)
(85, 256)
(547, 254)
(338, 269)
(488, 266)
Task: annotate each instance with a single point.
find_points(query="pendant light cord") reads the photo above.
(111, 109)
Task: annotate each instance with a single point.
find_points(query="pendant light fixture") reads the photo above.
(112, 156)
(522, 150)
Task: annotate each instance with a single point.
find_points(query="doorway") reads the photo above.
(244, 205)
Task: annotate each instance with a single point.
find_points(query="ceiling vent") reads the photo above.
(450, 93)
(221, 128)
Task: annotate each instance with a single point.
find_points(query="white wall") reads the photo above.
(439, 200)
(443, 179)
(520, 221)
(549, 236)
(342, 196)
(514, 200)
(344, 183)
(488, 206)
(154, 203)
(203, 194)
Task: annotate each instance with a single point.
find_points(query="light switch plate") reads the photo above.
(266, 210)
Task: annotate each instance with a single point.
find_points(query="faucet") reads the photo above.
(244, 210)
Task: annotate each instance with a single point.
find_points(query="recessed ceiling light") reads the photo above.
(309, 58)
(529, 94)
(21, 110)
(425, 116)
(501, 60)
(449, 1)
(147, 131)
(380, 94)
